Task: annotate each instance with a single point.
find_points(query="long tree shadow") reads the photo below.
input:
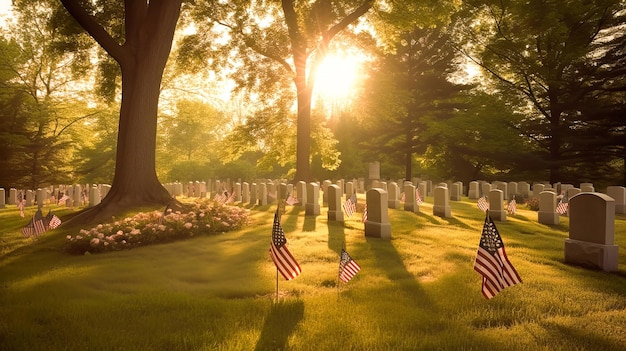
(281, 321)
(309, 223)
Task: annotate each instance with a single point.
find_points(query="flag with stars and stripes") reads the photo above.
(483, 203)
(29, 229)
(348, 267)
(492, 262)
(285, 263)
(365, 214)
(418, 198)
(563, 205)
(512, 208)
(349, 206)
(52, 221)
(291, 200)
(38, 221)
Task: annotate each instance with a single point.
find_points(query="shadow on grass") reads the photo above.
(336, 236)
(281, 321)
(389, 260)
(309, 223)
(457, 223)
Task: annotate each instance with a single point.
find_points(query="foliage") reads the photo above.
(550, 54)
(145, 228)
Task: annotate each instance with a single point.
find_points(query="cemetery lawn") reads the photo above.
(417, 291)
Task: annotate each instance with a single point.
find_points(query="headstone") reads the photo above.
(237, 190)
(485, 188)
(29, 198)
(301, 193)
(312, 206)
(262, 194)
(350, 188)
(2, 198)
(423, 189)
(377, 223)
(441, 206)
(374, 170)
(587, 188)
(473, 192)
(618, 193)
(429, 188)
(94, 196)
(512, 190)
(254, 193)
(572, 191)
(504, 187)
(455, 191)
(409, 198)
(523, 189)
(12, 196)
(497, 211)
(324, 189)
(245, 192)
(393, 194)
(335, 212)
(537, 189)
(271, 192)
(547, 208)
(592, 231)
(78, 195)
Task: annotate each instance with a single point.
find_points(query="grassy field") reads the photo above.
(417, 291)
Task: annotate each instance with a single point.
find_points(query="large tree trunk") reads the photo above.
(149, 32)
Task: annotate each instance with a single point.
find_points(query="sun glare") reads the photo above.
(337, 76)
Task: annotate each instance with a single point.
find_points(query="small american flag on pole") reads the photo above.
(285, 263)
(38, 222)
(349, 206)
(52, 220)
(348, 267)
(563, 205)
(492, 262)
(512, 208)
(418, 198)
(483, 203)
(29, 229)
(291, 200)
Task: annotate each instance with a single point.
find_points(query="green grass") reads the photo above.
(417, 291)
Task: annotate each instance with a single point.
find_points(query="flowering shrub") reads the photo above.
(533, 204)
(202, 217)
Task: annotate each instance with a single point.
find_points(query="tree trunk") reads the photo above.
(149, 32)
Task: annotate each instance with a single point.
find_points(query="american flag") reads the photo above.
(29, 229)
(563, 205)
(63, 199)
(492, 262)
(21, 205)
(403, 197)
(52, 221)
(512, 208)
(221, 197)
(348, 267)
(483, 203)
(365, 214)
(285, 263)
(291, 200)
(38, 222)
(418, 198)
(230, 199)
(349, 206)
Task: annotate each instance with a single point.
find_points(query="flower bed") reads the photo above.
(202, 217)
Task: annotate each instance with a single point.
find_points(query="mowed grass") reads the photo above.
(417, 291)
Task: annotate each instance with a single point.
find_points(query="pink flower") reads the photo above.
(94, 242)
(188, 225)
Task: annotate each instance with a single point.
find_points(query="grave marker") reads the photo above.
(591, 232)
(377, 223)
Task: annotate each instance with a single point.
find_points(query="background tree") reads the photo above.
(411, 96)
(41, 79)
(536, 49)
(275, 43)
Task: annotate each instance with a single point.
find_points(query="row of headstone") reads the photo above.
(68, 195)
(591, 230)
